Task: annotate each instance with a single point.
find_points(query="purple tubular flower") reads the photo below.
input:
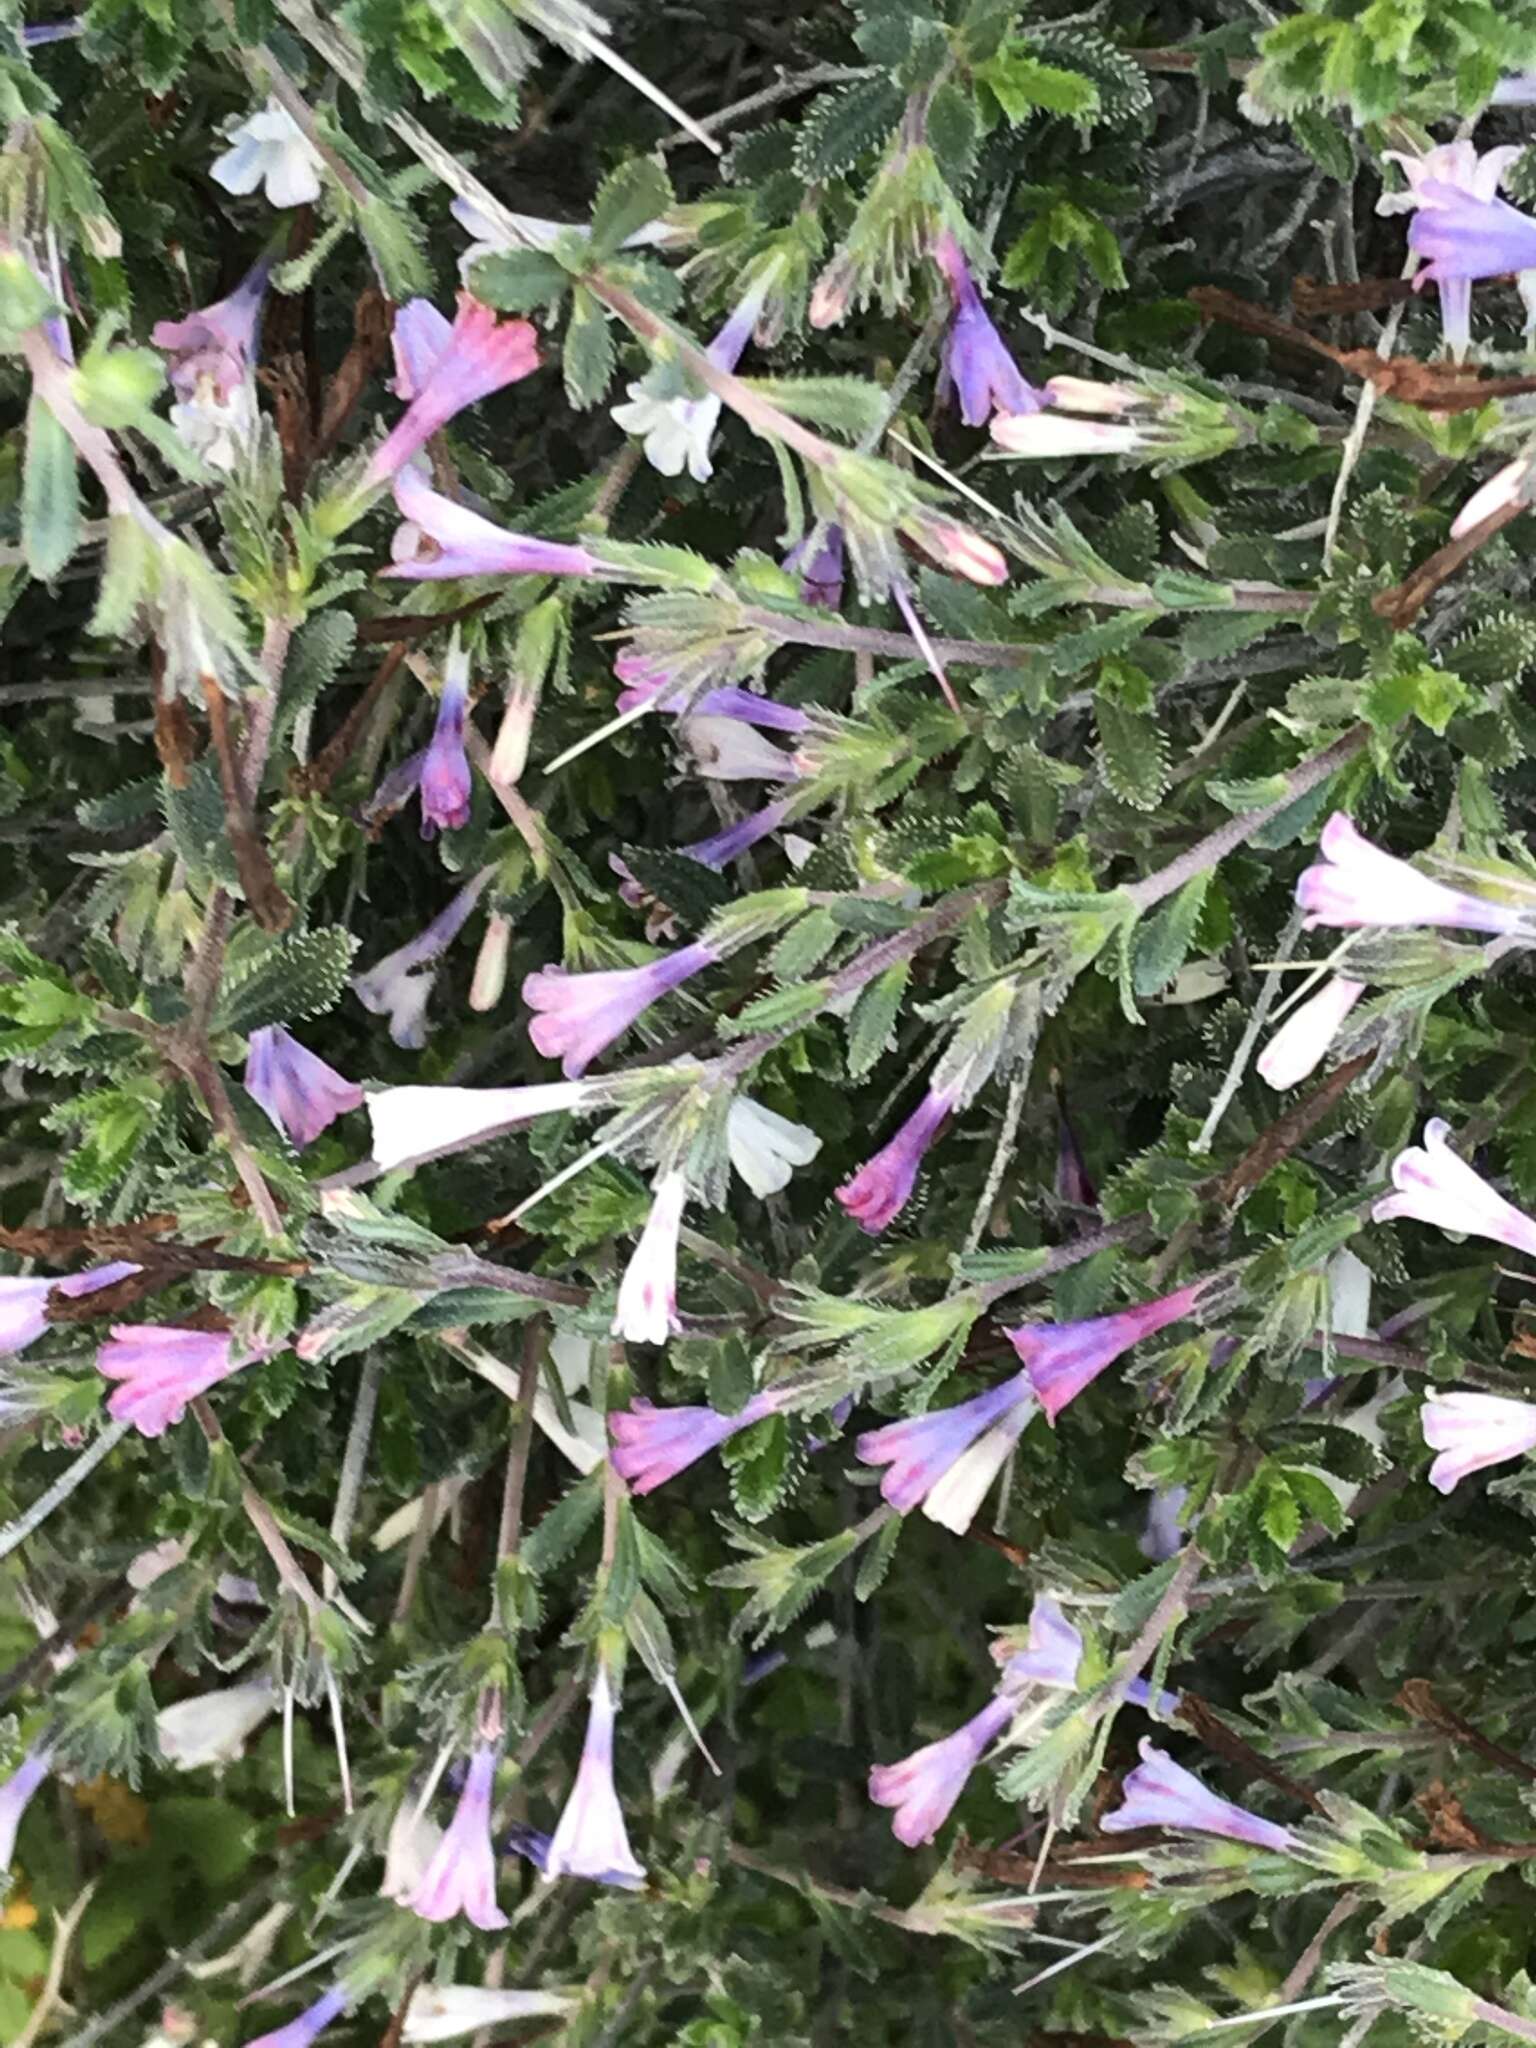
(589, 1838)
(24, 1302)
(296, 1088)
(419, 339)
(721, 848)
(481, 354)
(1161, 1794)
(1462, 236)
(461, 1878)
(162, 1368)
(976, 358)
(1054, 1650)
(534, 1848)
(16, 1796)
(51, 32)
(1471, 1431)
(395, 791)
(920, 1450)
(399, 985)
(924, 1786)
(883, 1185)
(1063, 1358)
(580, 1015)
(821, 574)
(647, 682)
(216, 342)
(446, 785)
(652, 1445)
(471, 546)
(310, 2023)
(1434, 1185)
(1356, 884)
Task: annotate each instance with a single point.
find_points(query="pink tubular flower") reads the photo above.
(652, 1445)
(589, 1838)
(162, 1368)
(471, 546)
(924, 1786)
(24, 1302)
(310, 2024)
(1305, 1036)
(1471, 1431)
(1435, 1186)
(446, 784)
(580, 1015)
(922, 1449)
(1356, 884)
(461, 1878)
(214, 345)
(481, 354)
(976, 359)
(16, 1796)
(956, 547)
(1063, 1358)
(1049, 436)
(418, 339)
(1161, 1794)
(647, 1305)
(883, 1185)
(296, 1088)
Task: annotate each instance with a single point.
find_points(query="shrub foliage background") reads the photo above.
(1066, 876)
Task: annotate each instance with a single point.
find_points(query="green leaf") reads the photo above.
(294, 977)
(872, 1023)
(628, 199)
(805, 945)
(760, 1468)
(781, 1011)
(841, 126)
(1023, 86)
(587, 358)
(693, 892)
(50, 494)
(1162, 942)
(562, 1528)
(952, 133)
(519, 280)
(843, 405)
(1133, 754)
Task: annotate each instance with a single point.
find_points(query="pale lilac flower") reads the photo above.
(414, 1839)
(1305, 1036)
(647, 681)
(1471, 1431)
(412, 1123)
(310, 2023)
(1048, 436)
(976, 359)
(419, 339)
(726, 750)
(468, 545)
(1161, 1794)
(483, 353)
(1163, 1537)
(211, 1727)
(446, 784)
(883, 1185)
(37, 33)
(721, 848)
(1518, 90)
(395, 791)
(924, 1786)
(1461, 225)
(1356, 884)
(821, 572)
(442, 2012)
(296, 1088)
(534, 1847)
(1509, 486)
(461, 1878)
(677, 430)
(652, 1445)
(399, 985)
(24, 1302)
(16, 1796)
(647, 1306)
(580, 1015)
(1435, 1186)
(162, 1368)
(589, 1838)
(1054, 1650)
(765, 1147)
(488, 238)
(210, 362)
(921, 1450)
(270, 149)
(1061, 1359)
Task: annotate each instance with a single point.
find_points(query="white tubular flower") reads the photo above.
(954, 1498)
(410, 1123)
(211, 1727)
(270, 149)
(729, 750)
(677, 431)
(647, 1307)
(765, 1147)
(414, 1839)
(1508, 487)
(1305, 1036)
(1047, 434)
(442, 2012)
